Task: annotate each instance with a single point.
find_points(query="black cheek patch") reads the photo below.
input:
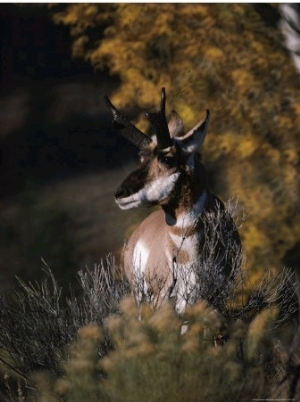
(133, 183)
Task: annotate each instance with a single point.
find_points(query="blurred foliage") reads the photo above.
(152, 360)
(98, 345)
(224, 57)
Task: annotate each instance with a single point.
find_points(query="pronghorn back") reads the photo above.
(192, 237)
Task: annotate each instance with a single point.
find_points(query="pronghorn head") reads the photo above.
(166, 159)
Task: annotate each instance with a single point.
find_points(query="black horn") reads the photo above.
(159, 121)
(128, 130)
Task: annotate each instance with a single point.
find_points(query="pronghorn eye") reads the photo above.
(167, 160)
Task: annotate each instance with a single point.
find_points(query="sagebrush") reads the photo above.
(99, 345)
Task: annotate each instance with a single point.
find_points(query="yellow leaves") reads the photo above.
(141, 333)
(243, 80)
(257, 46)
(189, 115)
(158, 363)
(290, 174)
(236, 145)
(189, 11)
(284, 121)
(127, 16)
(291, 156)
(296, 106)
(78, 46)
(90, 332)
(69, 17)
(254, 239)
(271, 154)
(258, 331)
(146, 97)
(247, 146)
(166, 320)
(214, 53)
(79, 13)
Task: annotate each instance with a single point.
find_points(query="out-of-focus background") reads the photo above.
(61, 160)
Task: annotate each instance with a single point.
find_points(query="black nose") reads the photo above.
(121, 192)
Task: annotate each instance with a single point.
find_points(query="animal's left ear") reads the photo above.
(193, 140)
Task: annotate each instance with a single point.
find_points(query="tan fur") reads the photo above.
(153, 233)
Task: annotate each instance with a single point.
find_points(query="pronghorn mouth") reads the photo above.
(152, 194)
(128, 202)
(134, 201)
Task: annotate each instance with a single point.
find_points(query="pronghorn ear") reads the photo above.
(193, 140)
(175, 125)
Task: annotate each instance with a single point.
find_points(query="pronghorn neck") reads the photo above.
(184, 217)
(191, 199)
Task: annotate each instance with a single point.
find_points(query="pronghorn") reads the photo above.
(168, 254)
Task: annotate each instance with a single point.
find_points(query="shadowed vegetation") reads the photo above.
(98, 344)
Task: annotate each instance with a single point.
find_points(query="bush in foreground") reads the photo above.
(152, 360)
(99, 346)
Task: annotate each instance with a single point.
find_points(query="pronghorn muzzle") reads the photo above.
(133, 183)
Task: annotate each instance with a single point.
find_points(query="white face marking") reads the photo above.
(154, 191)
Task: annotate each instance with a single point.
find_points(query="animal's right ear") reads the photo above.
(175, 125)
(193, 140)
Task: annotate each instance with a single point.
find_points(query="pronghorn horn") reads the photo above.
(128, 130)
(159, 121)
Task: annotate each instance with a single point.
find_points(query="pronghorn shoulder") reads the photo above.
(150, 229)
(147, 233)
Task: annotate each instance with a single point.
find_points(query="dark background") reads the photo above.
(60, 159)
